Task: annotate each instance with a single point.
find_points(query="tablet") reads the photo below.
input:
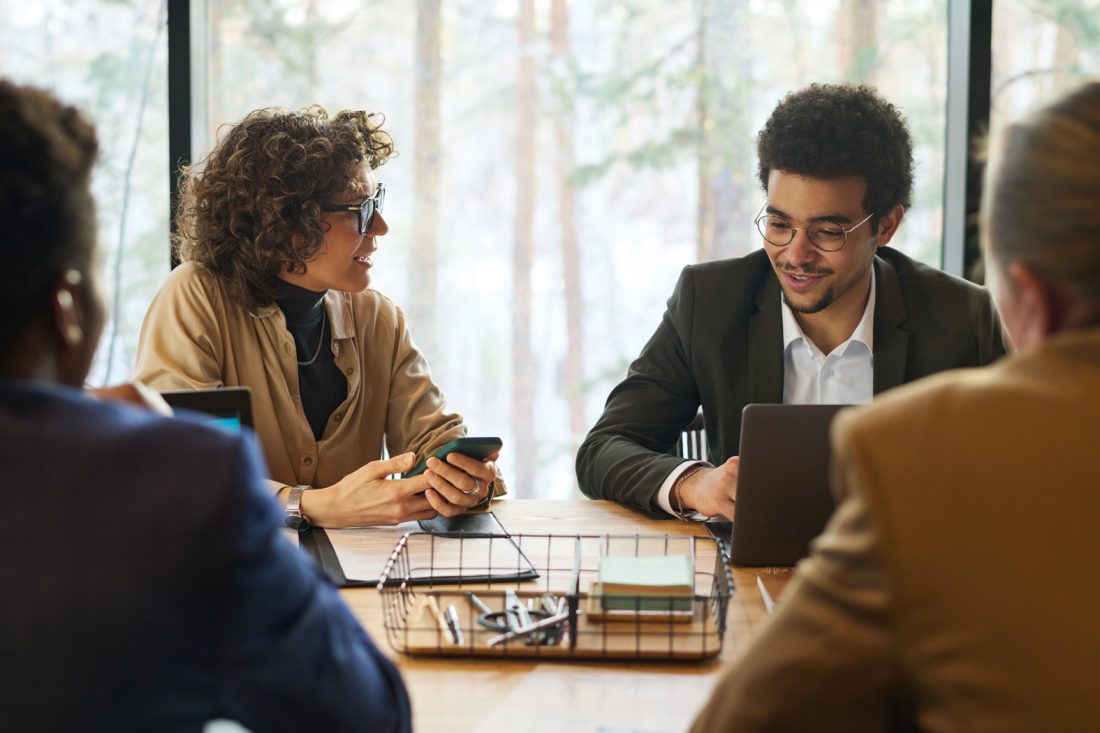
(229, 408)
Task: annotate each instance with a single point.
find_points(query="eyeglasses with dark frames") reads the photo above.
(365, 209)
(825, 235)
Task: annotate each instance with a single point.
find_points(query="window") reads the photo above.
(109, 60)
(560, 162)
(1041, 48)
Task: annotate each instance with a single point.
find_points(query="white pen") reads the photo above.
(440, 620)
(769, 603)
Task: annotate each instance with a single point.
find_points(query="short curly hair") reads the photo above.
(252, 208)
(47, 151)
(828, 131)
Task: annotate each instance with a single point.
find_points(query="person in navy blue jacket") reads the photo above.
(146, 582)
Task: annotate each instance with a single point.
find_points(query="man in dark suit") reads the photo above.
(951, 589)
(824, 313)
(146, 582)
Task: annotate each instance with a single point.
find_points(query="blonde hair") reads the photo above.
(1043, 194)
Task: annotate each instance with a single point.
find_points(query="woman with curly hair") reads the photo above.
(276, 228)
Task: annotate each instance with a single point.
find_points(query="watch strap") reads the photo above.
(294, 517)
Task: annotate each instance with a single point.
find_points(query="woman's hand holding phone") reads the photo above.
(368, 497)
(460, 482)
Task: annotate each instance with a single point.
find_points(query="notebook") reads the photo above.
(646, 583)
(783, 494)
(227, 407)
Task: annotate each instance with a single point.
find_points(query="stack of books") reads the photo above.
(664, 583)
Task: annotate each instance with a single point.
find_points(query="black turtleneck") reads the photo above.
(323, 386)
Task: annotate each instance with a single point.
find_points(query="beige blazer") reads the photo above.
(195, 336)
(955, 587)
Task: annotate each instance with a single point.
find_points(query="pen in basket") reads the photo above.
(453, 625)
(440, 620)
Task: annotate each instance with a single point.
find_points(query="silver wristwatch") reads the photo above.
(294, 517)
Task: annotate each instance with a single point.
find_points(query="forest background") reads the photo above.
(560, 161)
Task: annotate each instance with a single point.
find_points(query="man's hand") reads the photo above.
(711, 491)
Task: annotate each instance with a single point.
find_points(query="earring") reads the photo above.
(70, 326)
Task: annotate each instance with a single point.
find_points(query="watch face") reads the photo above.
(297, 522)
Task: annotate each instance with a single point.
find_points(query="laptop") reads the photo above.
(229, 408)
(783, 494)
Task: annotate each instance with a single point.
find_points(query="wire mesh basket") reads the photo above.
(529, 595)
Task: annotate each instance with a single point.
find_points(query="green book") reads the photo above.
(658, 583)
(667, 603)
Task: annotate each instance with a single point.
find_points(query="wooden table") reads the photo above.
(459, 695)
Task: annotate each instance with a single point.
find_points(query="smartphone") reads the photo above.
(479, 448)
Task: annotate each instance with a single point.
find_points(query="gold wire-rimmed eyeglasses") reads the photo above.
(825, 235)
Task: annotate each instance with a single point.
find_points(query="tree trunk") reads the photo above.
(723, 227)
(857, 36)
(704, 213)
(523, 366)
(215, 111)
(573, 371)
(424, 264)
(312, 28)
(1066, 54)
(119, 255)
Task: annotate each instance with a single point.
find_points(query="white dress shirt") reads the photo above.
(844, 376)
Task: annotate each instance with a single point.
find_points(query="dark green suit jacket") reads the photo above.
(720, 346)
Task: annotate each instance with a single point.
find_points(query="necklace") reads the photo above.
(320, 341)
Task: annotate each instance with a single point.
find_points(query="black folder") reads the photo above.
(472, 526)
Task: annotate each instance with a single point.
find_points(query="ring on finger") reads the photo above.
(473, 491)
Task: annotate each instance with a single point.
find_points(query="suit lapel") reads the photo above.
(766, 344)
(891, 342)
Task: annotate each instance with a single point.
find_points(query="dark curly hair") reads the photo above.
(252, 208)
(47, 150)
(830, 131)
